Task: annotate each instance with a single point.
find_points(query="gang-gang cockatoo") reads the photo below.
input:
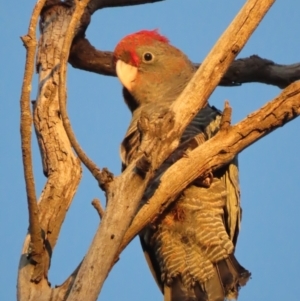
(190, 248)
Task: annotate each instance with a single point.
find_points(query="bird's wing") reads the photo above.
(206, 122)
(232, 209)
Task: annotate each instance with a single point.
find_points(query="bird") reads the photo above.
(190, 247)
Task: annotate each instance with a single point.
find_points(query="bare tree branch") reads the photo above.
(207, 77)
(122, 204)
(36, 246)
(79, 10)
(86, 57)
(215, 153)
(97, 205)
(60, 164)
(98, 4)
(59, 24)
(256, 69)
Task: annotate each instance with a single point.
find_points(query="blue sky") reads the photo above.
(269, 239)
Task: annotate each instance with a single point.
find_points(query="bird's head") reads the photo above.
(150, 68)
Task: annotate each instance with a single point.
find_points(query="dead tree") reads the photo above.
(62, 27)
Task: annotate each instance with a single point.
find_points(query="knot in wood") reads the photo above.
(235, 49)
(105, 178)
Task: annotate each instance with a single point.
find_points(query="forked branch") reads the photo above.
(122, 202)
(215, 153)
(125, 192)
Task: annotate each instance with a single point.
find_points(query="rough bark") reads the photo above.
(63, 170)
(216, 152)
(122, 203)
(61, 166)
(195, 95)
(30, 43)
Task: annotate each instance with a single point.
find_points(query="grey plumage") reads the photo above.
(190, 247)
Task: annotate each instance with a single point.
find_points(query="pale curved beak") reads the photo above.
(126, 74)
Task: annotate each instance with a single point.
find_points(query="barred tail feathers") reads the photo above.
(228, 277)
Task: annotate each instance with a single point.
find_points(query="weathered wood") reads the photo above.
(60, 164)
(216, 152)
(36, 246)
(213, 68)
(125, 191)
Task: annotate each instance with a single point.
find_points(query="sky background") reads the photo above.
(269, 239)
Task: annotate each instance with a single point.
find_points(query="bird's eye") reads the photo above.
(148, 57)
